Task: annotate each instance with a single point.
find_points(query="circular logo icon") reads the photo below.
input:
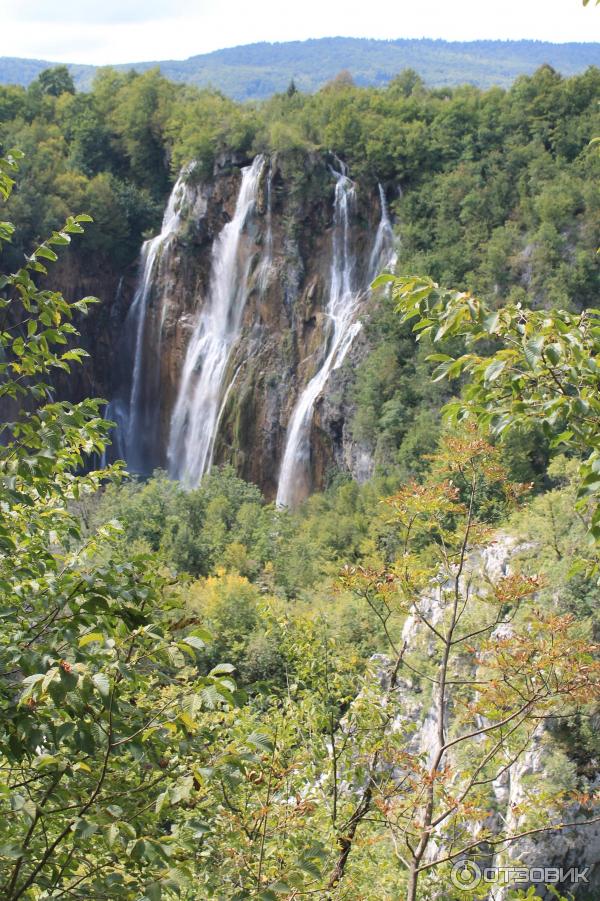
(466, 875)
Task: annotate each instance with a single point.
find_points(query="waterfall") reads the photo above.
(115, 411)
(139, 420)
(344, 298)
(266, 265)
(383, 254)
(341, 307)
(196, 413)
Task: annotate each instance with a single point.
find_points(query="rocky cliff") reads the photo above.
(567, 855)
(280, 280)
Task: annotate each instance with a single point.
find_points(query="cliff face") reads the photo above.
(280, 269)
(507, 791)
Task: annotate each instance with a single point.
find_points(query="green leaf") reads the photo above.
(11, 850)
(139, 850)
(533, 350)
(494, 369)
(260, 741)
(491, 322)
(554, 353)
(309, 866)
(114, 810)
(48, 760)
(102, 683)
(89, 638)
(194, 642)
(111, 834)
(84, 828)
(154, 891)
(439, 358)
(69, 679)
(222, 669)
(46, 253)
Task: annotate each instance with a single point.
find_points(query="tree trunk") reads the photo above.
(413, 876)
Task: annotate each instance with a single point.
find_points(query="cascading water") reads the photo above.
(383, 254)
(199, 401)
(266, 264)
(137, 417)
(115, 411)
(344, 298)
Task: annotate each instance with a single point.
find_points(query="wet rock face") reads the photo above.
(285, 327)
(77, 277)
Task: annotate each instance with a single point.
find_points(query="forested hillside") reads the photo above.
(206, 695)
(492, 191)
(256, 71)
(472, 172)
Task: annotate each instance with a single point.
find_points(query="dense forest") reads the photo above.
(495, 191)
(207, 696)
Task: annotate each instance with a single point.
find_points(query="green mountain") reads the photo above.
(256, 71)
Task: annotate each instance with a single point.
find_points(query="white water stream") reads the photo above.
(195, 416)
(204, 383)
(265, 270)
(344, 298)
(141, 411)
(383, 255)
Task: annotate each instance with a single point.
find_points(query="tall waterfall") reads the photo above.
(137, 415)
(201, 391)
(344, 297)
(341, 307)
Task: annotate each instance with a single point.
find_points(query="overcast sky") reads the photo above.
(118, 31)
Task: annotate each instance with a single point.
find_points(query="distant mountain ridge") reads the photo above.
(255, 71)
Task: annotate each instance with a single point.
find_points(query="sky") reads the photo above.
(119, 31)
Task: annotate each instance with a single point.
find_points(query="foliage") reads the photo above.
(132, 766)
(56, 81)
(316, 783)
(496, 187)
(493, 189)
(99, 688)
(493, 666)
(222, 521)
(540, 366)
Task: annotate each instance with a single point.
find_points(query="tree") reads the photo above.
(343, 79)
(493, 667)
(56, 81)
(97, 702)
(536, 367)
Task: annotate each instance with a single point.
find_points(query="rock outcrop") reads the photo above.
(284, 330)
(573, 852)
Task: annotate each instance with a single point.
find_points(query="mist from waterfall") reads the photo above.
(136, 416)
(202, 388)
(344, 297)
